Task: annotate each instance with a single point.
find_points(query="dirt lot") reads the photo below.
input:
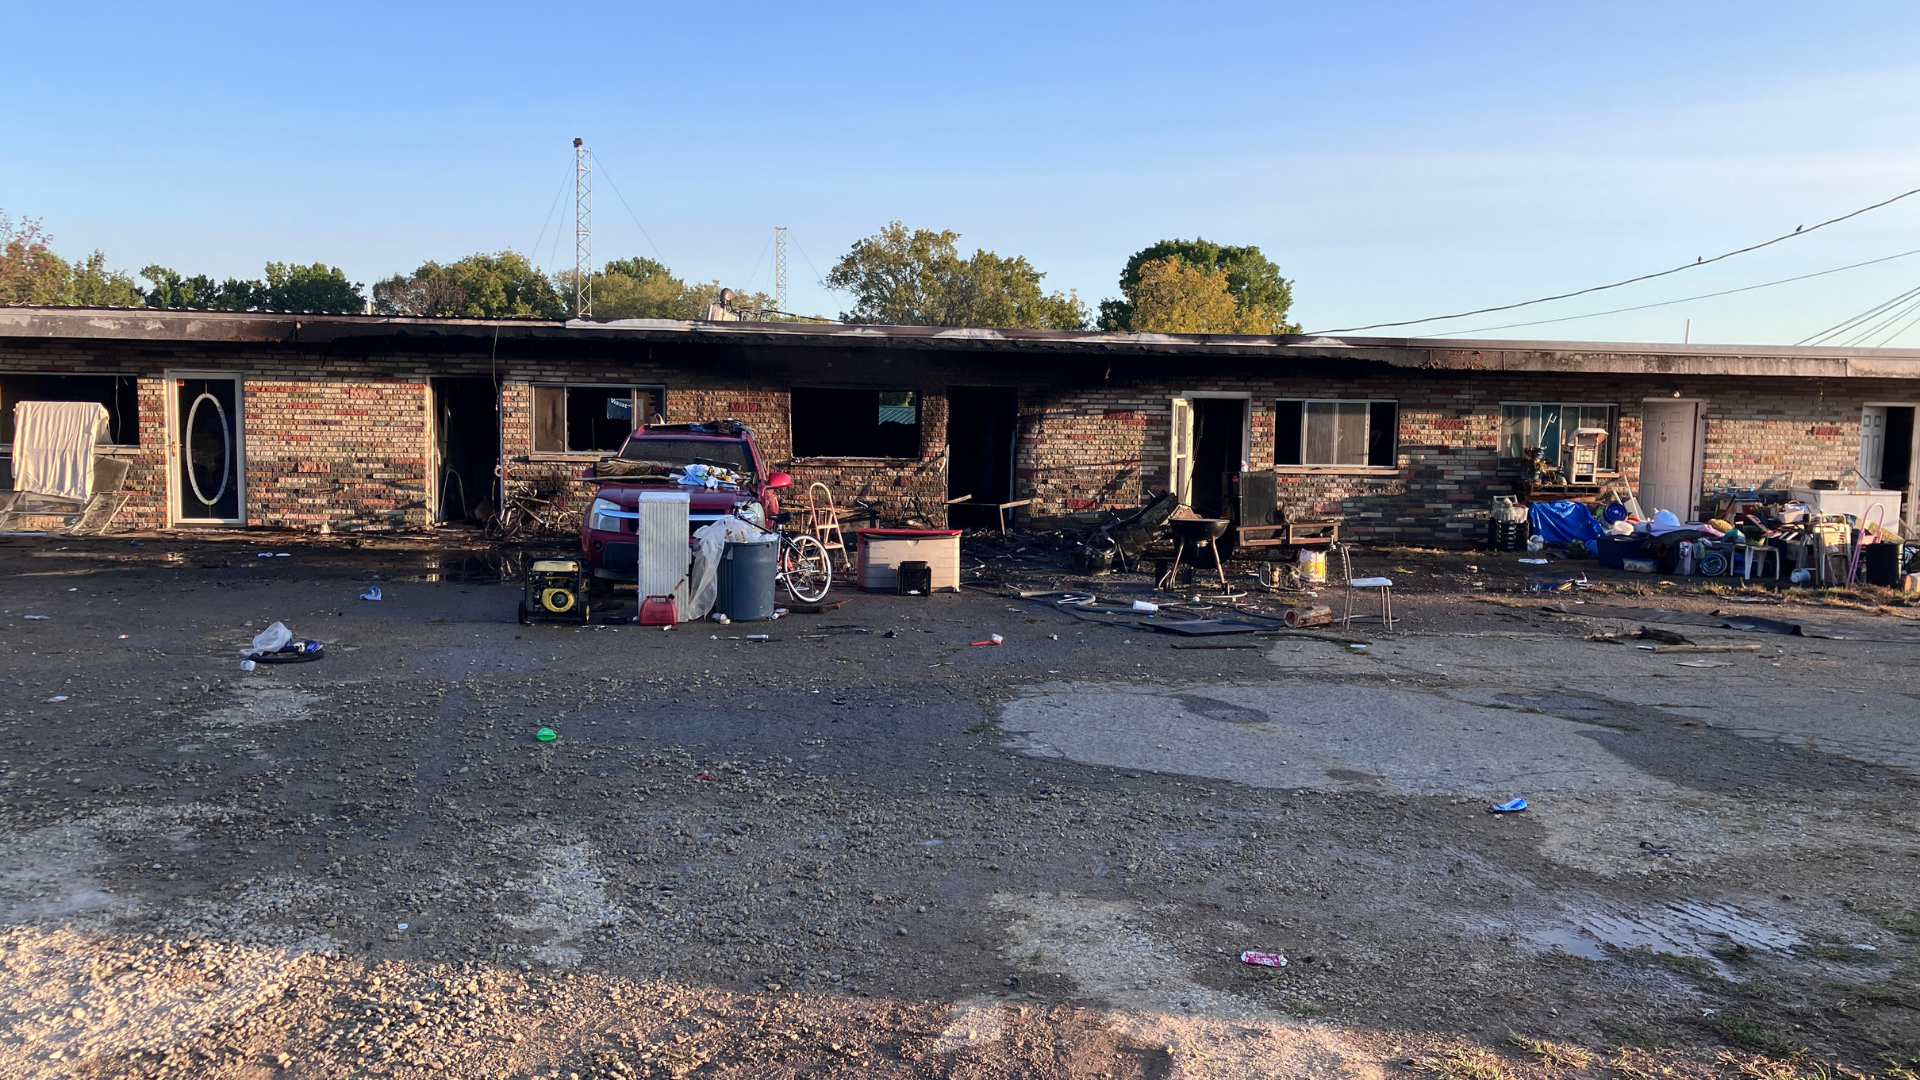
(867, 848)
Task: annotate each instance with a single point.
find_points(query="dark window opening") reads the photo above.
(116, 392)
(591, 419)
(856, 423)
(1551, 427)
(467, 437)
(1336, 433)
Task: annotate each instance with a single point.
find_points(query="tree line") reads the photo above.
(897, 276)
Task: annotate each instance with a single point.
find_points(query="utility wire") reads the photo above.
(1847, 324)
(636, 217)
(1901, 313)
(1802, 231)
(561, 190)
(1682, 300)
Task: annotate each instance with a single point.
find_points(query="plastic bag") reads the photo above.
(1563, 522)
(271, 640)
(709, 543)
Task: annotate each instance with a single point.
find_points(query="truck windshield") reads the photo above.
(724, 453)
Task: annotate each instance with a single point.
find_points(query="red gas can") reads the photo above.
(658, 611)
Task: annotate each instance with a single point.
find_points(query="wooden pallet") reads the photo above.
(1291, 534)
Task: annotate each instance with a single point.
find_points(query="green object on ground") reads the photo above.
(546, 734)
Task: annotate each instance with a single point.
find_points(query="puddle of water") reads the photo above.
(1691, 928)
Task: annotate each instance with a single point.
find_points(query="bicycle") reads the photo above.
(525, 515)
(804, 567)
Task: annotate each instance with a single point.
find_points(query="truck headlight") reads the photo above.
(753, 512)
(600, 516)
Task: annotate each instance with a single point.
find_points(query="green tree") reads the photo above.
(30, 273)
(917, 278)
(1263, 297)
(480, 286)
(1172, 296)
(318, 287)
(91, 284)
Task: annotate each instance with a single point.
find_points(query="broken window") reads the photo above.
(116, 392)
(856, 423)
(589, 419)
(1550, 425)
(1356, 434)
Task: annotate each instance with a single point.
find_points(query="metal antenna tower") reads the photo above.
(779, 268)
(582, 230)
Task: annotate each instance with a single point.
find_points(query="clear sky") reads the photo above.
(1396, 159)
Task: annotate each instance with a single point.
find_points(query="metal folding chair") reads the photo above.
(1385, 585)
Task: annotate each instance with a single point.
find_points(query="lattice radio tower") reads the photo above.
(582, 230)
(780, 268)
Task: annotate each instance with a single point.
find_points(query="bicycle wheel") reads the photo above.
(809, 575)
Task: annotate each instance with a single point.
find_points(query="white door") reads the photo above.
(1873, 443)
(1668, 467)
(207, 468)
(1180, 451)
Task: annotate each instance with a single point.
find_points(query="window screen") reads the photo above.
(1355, 434)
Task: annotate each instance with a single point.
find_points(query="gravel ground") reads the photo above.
(866, 847)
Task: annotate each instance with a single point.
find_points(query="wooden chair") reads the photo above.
(823, 521)
(1385, 585)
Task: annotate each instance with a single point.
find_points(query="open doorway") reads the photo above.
(466, 434)
(1219, 450)
(1888, 446)
(980, 435)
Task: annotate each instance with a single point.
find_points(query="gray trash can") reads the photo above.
(745, 578)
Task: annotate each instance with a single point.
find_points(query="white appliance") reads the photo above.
(1855, 503)
(664, 554)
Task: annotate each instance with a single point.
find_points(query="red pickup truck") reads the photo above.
(657, 457)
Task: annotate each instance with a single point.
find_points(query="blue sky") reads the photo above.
(1397, 160)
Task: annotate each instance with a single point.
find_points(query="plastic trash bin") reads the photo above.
(745, 580)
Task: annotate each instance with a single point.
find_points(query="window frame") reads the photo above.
(7, 404)
(658, 391)
(1369, 467)
(1610, 459)
(919, 422)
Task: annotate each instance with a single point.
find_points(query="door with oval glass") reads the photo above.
(208, 475)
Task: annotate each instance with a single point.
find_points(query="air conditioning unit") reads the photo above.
(664, 554)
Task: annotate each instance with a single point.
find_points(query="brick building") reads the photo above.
(372, 423)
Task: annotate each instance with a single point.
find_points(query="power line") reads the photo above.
(1682, 300)
(1802, 231)
(631, 214)
(1847, 324)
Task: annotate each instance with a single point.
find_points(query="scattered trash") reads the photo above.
(779, 611)
(1511, 806)
(372, 593)
(1705, 648)
(1764, 626)
(246, 665)
(1312, 615)
(399, 926)
(274, 638)
(703, 776)
(759, 637)
(546, 734)
(992, 639)
(1264, 959)
(1647, 847)
(1534, 562)
(1702, 663)
(36, 618)
(1145, 605)
(1356, 645)
(56, 697)
(1664, 637)
(721, 618)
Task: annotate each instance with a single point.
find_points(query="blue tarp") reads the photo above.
(1563, 522)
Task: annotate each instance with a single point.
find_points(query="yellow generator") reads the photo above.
(557, 589)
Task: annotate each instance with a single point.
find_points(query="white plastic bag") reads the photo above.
(271, 640)
(709, 543)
